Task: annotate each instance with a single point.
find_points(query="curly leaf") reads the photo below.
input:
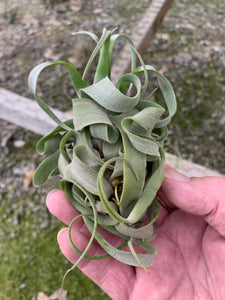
(45, 169)
(109, 97)
(167, 92)
(77, 81)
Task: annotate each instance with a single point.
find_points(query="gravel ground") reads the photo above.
(38, 31)
(190, 50)
(33, 32)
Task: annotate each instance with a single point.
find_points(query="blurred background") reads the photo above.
(189, 49)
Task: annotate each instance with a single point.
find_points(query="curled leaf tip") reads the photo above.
(109, 156)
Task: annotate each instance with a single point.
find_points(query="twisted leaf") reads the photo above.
(110, 155)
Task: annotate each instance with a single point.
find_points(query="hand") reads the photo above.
(190, 263)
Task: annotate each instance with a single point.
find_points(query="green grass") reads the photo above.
(30, 259)
(31, 262)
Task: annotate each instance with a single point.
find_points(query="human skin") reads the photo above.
(190, 263)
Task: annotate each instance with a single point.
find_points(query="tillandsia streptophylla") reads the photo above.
(109, 157)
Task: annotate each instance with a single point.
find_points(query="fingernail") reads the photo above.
(60, 233)
(50, 193)
(175, 175)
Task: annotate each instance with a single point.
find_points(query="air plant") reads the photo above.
(109, 158)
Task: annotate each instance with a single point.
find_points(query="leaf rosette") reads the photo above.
(109, 158)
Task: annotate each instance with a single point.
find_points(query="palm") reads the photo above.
(185, 267)
(190, 262)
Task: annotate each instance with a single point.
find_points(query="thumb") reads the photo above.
(204, 196)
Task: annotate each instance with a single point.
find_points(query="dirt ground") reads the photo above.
(189, 49)
(39, 30)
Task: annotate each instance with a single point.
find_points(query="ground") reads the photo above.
(189, 49)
